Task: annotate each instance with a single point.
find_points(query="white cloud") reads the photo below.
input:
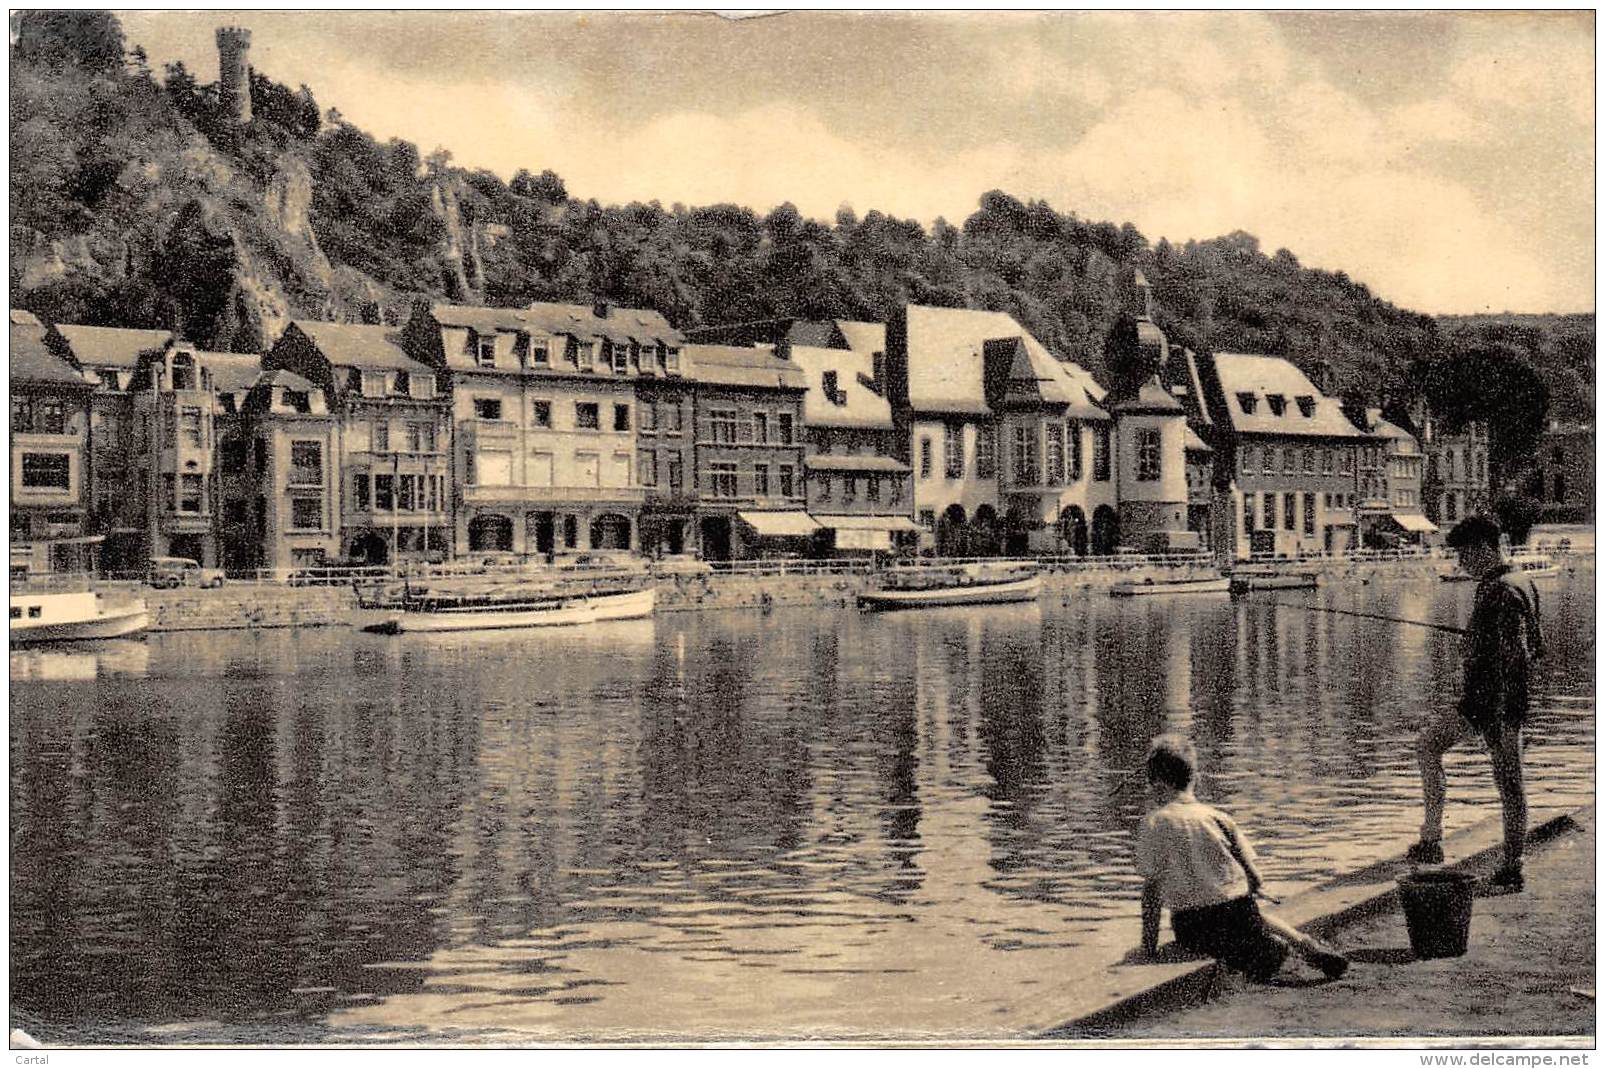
(1532, 62)
(1438, 119)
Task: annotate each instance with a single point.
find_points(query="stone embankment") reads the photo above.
(269, 605)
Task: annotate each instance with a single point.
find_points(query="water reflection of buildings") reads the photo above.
(79, 661)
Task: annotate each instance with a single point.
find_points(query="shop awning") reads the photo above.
(780, 524)
(1413, 522)
(867, 523)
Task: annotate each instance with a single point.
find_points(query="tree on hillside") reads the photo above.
(91, 40)
(1498, 384)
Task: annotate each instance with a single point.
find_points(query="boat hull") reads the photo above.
(1243, 584)
(977, 594)
(1170, 586)
(112, 624)
(565, 613)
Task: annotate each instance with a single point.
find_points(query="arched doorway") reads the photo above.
(950, 540)
(1073, 529)
(370, 548)
(490, 533)
(988, 534)
(1105, 530)
(610, 531)
(716, 538)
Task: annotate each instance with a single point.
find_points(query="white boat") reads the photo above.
(1137, 587)
(72, 616)
(536, 610)
(978, 592)
(1532, 567)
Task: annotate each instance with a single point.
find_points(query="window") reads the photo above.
(434, 492)
(823, 481)
(1147, 455)
(670, 358)
(169, 426)
(540, 352)
(788, 479)
(306, 463)
(46, 471)
(1248, 403)
(1055, 454)
(722, 480)
(1306, 406)
(1309, 462)
(384, 493)
(621, 358)
(423, 387)
(646, 467)
(584, 353)
(953, 450)
(760, 427)
(1289, 511)
(407, 493)
(1248, 514)
(1451, 506)
(381, 437)
(673, 418)
(373, 384)
(829, 381)
(786, 429)
(1100, 454)
(1073, 432)
(1309, 514)
(1277, 403)
(1269, 515)
(51, 414)
(897, 489)
(403, 384)
(872, 488)
(760, 480)
(1289, 460)
(1326, 462)
(1025, 456)
(850, 488)
(571, 532)
(1248, 460)
(928, 519)
(649, 416)
(722, 425)
(676, 473)
(1269, 467)
(192, 489)
(421, 437)
(107, 377)
(1345, 462)
(190, 421)
(361, 486)
(487, 408)
(540, 413)
(306, 513)
(925, 456)
(587, 415)
(621, 417)
(485, 350)
(986, 452)
(298, 401)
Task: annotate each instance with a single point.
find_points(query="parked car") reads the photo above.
(173, 572)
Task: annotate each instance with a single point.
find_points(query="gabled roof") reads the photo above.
(358, 345)
(111, 346)
(1383, 429)
(231, 372)
(479, 318)
(1150, 398)
(1264, 376)
(946, 362)
(864, 408)
(863, 337)
(736, 365)
(287, 379)
(33, 361)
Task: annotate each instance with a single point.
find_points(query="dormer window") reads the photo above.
(422, 388)
(373, 384)
(831, 391)
(108, 377)
(1248, 403)
(485, 350)
(1306, 406)
(297, 401)
(621, 358)
(1277, 402)
(584, 353)
(403, 384)
(540, 352)
(669, 358)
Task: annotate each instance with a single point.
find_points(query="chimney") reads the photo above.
(600, 309)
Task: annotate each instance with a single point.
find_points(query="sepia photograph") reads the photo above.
(793, 529)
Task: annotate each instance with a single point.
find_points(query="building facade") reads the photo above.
(393, 465)
(1562, 478)
(1456, 483)
(749, 452)
(50, 450)
(294, 453)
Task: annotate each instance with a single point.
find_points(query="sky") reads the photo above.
(1443, 159)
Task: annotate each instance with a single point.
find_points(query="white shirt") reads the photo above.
(1186, 846)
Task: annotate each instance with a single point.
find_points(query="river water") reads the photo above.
(801, 823)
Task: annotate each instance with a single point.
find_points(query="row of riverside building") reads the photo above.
(562, 430)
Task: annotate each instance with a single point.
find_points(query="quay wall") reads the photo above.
(268, 605)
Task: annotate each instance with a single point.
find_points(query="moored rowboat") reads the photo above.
(979, 593)
(1169, 586)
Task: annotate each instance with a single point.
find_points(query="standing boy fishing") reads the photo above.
(1501, 645)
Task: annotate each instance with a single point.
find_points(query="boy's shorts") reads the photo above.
(1232, 933)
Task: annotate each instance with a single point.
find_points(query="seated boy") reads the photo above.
(1195, 861)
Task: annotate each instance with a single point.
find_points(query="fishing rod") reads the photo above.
(1369, 616)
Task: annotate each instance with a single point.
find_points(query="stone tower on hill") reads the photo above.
(233, 72)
